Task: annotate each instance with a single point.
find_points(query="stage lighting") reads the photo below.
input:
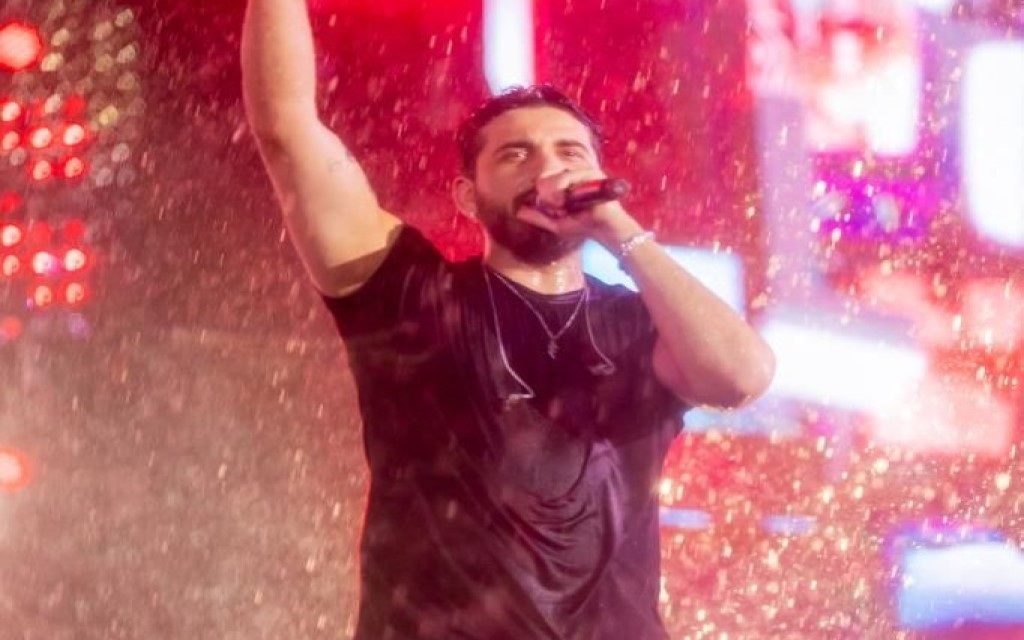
(10, 328)
(42, 296)
(20, 46)
(44, 263)
(40, 138)
(74, 167)
(10, 111)
(41, 170)
(75, 293)
(10, 266)
(14, 466)
(10, 141)
(10, 235)
(74, 260)
(73, 134)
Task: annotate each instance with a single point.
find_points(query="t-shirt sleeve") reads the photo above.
(398, 290)
(635, 336)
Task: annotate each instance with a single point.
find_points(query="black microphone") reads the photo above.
(586, 194)
(580, 196)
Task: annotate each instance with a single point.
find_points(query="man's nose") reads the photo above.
(549, 164)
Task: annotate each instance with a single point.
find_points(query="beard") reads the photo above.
(529, 243)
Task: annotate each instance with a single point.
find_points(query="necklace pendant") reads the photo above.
(552, 349)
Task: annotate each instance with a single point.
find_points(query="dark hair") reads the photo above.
(539, 95)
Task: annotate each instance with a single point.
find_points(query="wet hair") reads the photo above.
(470, 139)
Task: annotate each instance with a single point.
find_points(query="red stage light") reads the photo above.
(10, 111)
(73, 231)
(10, 266)
(74, 167)
(41, 170)
(10, 141)
(73, 134)
(74, 106)
(39, 233)
(20, 46)
(40, 138)
(44, 263)
(15, 470)
(75, 293)
(9, 201)
(75, 260)
(10, 328)
(10, 235)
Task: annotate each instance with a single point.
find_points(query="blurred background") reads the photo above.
(179, 443)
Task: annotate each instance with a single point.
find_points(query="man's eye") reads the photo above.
(512, 155)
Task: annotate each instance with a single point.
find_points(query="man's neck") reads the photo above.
(561, 276)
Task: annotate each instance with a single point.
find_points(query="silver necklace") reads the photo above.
(606, 368)
(553, 336)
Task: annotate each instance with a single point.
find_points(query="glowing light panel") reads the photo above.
(508, 43)
(993, 140)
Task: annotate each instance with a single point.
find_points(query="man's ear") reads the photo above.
(464, 196)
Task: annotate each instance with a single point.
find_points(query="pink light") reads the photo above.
(20, 46)
(948, 414)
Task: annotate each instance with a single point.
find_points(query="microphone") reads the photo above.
(586, 194)
(580, 196)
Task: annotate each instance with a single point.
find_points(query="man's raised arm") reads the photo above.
(338, 227)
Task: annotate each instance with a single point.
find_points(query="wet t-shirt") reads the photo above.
(513, 481)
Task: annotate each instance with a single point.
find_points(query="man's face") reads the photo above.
(520, 146)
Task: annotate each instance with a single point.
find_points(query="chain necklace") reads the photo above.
(553, 336)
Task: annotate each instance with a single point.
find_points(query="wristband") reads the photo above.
(629, 245)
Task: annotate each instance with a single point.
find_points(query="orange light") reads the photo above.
(42, 296)
(20, 46)
(10, 328)
(75, 293)
(15, 470)
(10, 141)
(41, 170)
(44, 263)
(73, 134)
(10, 111)
(74, 167)
(10, 266)
(40, 138)
(75, 260)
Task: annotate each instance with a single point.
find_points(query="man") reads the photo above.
(516, 412)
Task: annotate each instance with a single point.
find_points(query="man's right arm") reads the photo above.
(339, 229)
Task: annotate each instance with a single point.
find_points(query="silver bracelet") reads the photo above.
(629, 245)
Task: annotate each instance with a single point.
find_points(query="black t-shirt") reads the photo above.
(492, 515)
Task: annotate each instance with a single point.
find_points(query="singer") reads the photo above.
(516, 412)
